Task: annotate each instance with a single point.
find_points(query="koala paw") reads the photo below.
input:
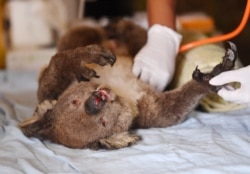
(97, 54)
(92, 54)
(227, 64)
(119, 140)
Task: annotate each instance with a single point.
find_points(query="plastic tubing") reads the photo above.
(220, 37)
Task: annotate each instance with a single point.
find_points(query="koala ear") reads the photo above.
(38, 126)
(76, 102)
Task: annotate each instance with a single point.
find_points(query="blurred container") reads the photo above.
(28, 60)
(29, 27)
(197, 21)
(2, 46)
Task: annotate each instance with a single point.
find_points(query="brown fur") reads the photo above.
(92, 112)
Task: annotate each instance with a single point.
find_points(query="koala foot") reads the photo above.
(119, 140)
(227, 63)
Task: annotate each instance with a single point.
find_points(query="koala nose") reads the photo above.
(95, 102)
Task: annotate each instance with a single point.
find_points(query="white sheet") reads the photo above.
(204, 143)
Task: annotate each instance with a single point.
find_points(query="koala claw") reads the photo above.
(86, 74)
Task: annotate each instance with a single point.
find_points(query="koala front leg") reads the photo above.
(68, 66)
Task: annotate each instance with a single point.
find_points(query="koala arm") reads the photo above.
(68, 66)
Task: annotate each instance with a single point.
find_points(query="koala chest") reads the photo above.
(120, 79)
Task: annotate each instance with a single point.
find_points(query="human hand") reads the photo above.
(155, 62)
(240, 95)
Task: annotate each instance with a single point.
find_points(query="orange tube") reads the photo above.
(221, 37)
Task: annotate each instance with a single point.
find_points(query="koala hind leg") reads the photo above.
(176, 104)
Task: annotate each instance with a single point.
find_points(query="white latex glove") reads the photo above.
(240, 95)
(155, 62)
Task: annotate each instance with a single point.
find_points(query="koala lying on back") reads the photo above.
(85, 103)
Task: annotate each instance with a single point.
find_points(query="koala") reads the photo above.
(89, 98)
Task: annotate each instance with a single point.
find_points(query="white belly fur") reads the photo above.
(120, 79)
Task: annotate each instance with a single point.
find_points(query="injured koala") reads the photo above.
(89, 98)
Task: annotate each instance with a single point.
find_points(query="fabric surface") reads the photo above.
(204, 143)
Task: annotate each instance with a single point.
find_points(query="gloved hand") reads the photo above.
(155, 62)
(240, 95)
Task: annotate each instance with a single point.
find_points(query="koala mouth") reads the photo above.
(97, 100)
(102, 95)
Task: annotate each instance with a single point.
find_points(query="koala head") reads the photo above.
(83, 114)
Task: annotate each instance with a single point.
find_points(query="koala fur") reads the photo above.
(89, 98)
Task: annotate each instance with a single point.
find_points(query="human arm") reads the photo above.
(240, 95)
(161, 12)
(155, 62)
